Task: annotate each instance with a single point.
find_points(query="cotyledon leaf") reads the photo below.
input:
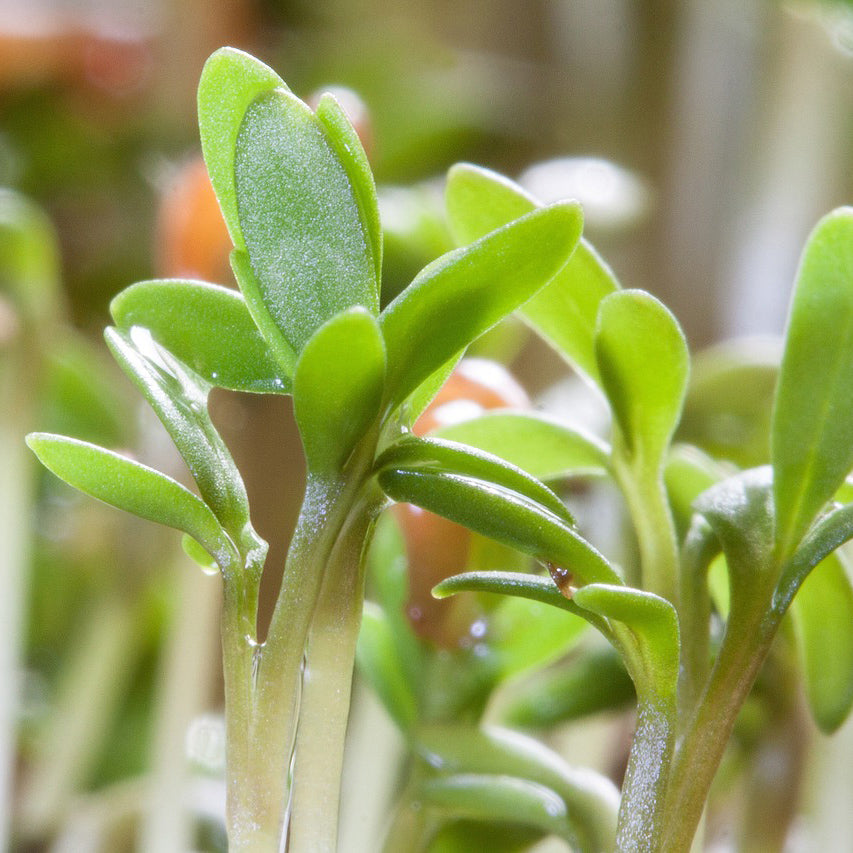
(643, 363)
(465, 292)
(343, 138)
(812, 422)
(489, 797)
(337, 388)
(591, 798)
(180, 401)
(301, 218)
(536, 443)
(208, 327)
(498, 513)
(823, 616)
(563, 313)
(455, 458)
(230, 81)
(133, 487)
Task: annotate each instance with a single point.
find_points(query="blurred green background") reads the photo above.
(706, 138)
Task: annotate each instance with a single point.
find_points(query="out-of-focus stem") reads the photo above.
(94, 680)
(185, 685)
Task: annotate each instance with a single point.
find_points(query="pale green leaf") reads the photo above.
(536, 443)
(135, 488)
(564, 313)
(812, 424)
(230, 81)
(501, 514)
(643, 362)
(454, 458)
(207, 327)
(300, 218)
(504, 799)
(337, 387)
(464, 293)
(823, 616)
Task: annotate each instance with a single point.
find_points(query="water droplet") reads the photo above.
(478, 628)
(205, 742)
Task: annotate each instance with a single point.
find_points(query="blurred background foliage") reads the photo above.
(706, 139)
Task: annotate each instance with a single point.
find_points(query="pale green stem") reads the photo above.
(694, 613)
(16, 501)
(326, 690)
(640, 825)
(645, 494)
(745, 647)
(263, 694)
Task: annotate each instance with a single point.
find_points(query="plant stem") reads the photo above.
(184, 687)
(648, 504)
(694, 614)
(326, 690)
(263, 688)
(641, 814)
(748, 638)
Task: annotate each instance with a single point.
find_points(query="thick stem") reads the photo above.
(641, 812)
(237, 655)
(744, 650)
(263, 692)
(326, 690)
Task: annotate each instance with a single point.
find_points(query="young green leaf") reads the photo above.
(207, 327)
(592, 799)
(343, 138)
(812, 423)
(564, 313)
(479, 200)
(520, 585)
(379, 662)
(337, 387)
(823, 616)
(593, 681)
(653, 626)
(180, 401)
(501, 514)
(135, 488)
(462, 294)
(498, 798)
(541, 446)
(643, 362)
(452, 457)
(230, 81)
(279, 347)
(301, 218)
